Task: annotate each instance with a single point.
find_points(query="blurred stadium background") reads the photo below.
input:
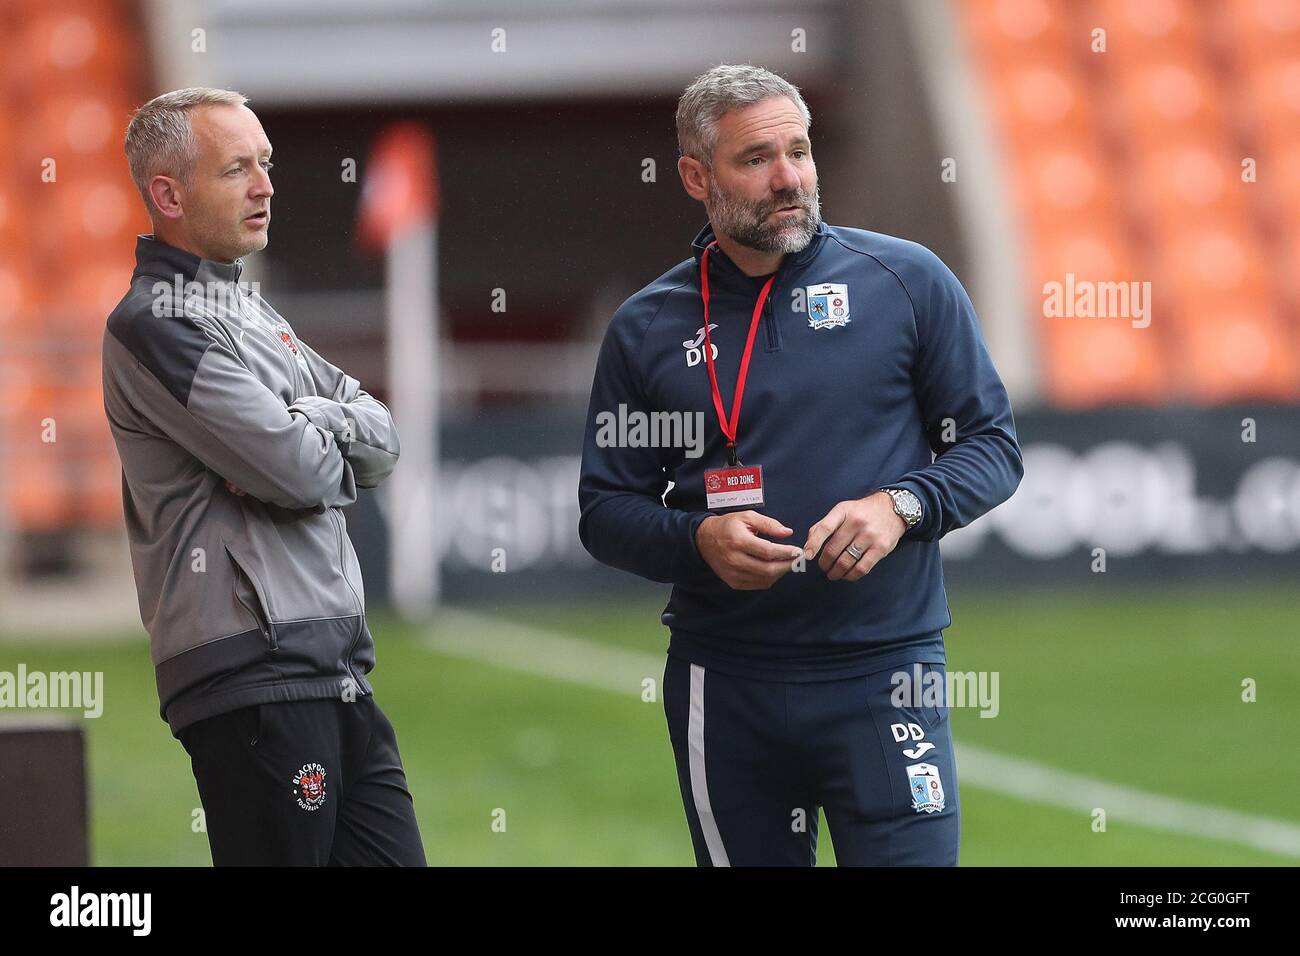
(1025, 141)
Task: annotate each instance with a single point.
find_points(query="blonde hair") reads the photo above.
(160, 140)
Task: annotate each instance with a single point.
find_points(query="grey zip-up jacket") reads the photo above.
(254, 598)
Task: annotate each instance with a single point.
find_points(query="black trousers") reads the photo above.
(304, 783)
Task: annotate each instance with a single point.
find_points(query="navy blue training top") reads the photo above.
(832, 410)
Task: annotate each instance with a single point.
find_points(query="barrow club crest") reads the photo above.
(310, 783)
(828, 305)
(927, 789)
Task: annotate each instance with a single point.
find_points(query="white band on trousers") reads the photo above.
(699, 779)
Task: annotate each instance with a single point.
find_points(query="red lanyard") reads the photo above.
(729, 427)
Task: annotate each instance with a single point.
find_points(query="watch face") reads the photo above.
(907, 505)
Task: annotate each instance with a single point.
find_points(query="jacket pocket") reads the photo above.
(249, 593)
(347, 559)
(255, 721)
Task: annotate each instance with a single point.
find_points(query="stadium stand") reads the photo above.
(1129, 165)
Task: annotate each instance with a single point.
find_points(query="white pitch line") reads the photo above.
(1039, 783)
(546, 653)
(534, 650)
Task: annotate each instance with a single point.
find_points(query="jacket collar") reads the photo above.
(721, 266)
(153, 257)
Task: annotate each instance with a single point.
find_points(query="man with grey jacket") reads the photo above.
(240, 445)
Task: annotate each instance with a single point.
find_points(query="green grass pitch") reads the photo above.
(1138, 688)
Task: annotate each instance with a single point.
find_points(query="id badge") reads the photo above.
(732, 487)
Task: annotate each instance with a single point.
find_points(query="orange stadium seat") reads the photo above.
(1138, 31)
(1039, 101)
(11, 24)
(79, 305)
(1098, 253)
(81, 131)
(49, 493)
(1004, 31)
(1168, 101)
(81, 407)
(103, 504)
(31, 393)
(1091, 361)
(96, 214)
(1214, 267)
(1257, 29)
(75, 46)
(16, 378)
(12, 221)
(17, 290)
(1063, 181)
(1278, 174)
(1187, 185)
(1272, 103)
(34, 489)
(17, 298)
(1239, 354)
(8, 128)
(1287, 259)
(32, 400)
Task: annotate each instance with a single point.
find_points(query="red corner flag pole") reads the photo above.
(399, 214)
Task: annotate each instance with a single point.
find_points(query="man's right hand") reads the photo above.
(732, 548)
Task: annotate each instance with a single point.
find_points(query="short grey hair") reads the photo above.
(160, 139)
(719, 91)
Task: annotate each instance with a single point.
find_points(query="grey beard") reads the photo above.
(748, 224)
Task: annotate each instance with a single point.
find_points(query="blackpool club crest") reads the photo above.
(927, 790)
(828, 305)
(282, 330)
(310, 781)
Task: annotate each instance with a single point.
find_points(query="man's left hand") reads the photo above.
(870, 524)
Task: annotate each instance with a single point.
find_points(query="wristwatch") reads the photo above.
(906, 505)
